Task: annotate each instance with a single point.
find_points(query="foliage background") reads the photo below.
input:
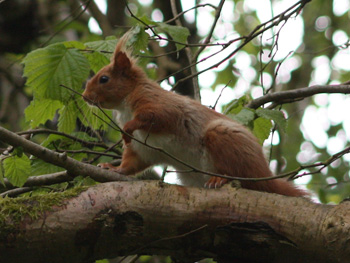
(266, 64)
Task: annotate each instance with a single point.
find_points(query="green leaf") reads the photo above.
(53, 138)
(97, 61)
(177, 33)
(139, 41)
(74, 44)
(18, 151)
(41, 110)
(17, 169)
(276, 116)
(48, 68)
(235, 106)
(102, 53)
(40, 167)
(106, 47)
(262, 128)
(245, 116)
(145, 19)
(68, 117)
(87, 115)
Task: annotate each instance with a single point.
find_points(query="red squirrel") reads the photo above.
(182, 127)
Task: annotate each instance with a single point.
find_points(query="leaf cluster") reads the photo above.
(49, 71)
(260, 120)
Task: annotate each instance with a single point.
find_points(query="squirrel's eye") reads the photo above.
(103, 79)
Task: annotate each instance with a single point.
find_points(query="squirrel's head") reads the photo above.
(114, 82)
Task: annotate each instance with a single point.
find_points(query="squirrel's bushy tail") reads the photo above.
(285, 188)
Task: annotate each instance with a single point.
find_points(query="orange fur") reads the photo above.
(184, 128)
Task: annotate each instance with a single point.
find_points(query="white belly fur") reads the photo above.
(193, 154)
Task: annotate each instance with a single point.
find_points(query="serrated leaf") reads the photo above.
(106, 47)
(68, 117)
(87, 115)
(53, 138)
(139, 41)
(40, 167)
(97, 60)
(17, 169)
(41, 110)
(245, 116)
(74, 44)
(145, 19)
(262, 128)
(276, 116)
(236, 105)
(102, 53)
(177, 33)
(47, 68)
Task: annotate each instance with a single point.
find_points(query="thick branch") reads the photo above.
(297, 94)
(147, 217)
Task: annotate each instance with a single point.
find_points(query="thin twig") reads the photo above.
(184, 12)
(83, 142)
(90, 152)
(65, 25)
(16, 192)
(321, 165)
(211, 31)
(45, 179)
(275, 21)
(60, 159)
(222, 90)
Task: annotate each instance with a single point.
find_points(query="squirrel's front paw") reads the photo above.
(127, 139)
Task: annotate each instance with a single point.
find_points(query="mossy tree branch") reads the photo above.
(125, 218)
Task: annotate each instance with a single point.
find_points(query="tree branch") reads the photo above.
(60, 159)
(211, 31)
(125, 218)
(196, 92)
(76, 139)
(298, 94)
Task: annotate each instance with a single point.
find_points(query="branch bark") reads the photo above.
(146, 217)
(297, 94)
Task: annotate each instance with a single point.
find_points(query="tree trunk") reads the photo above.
(148, 217)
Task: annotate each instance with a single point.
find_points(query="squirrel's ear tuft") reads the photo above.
(121, 63)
